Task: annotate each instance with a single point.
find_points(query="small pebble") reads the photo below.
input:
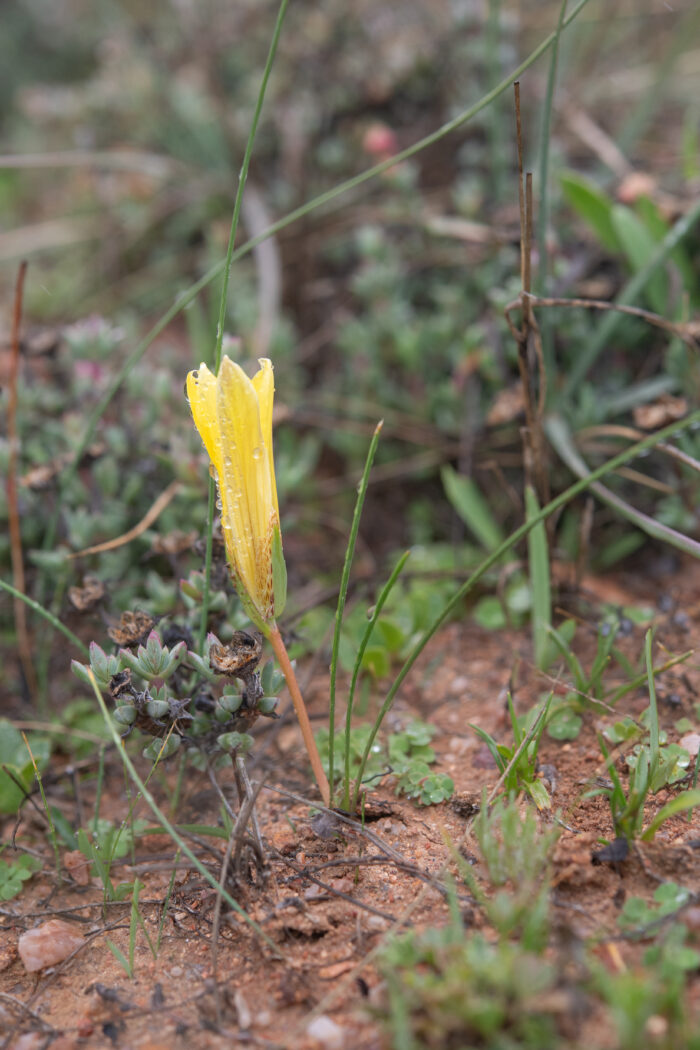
(28, 1041)
(243, 1010)
(326, 1033)
(691, 743)
(77, 866)
(48, 944)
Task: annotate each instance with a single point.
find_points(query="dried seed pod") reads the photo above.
(133, 628)
(88, 596)
(239, 658)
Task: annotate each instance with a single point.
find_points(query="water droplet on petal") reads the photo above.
(257, 453)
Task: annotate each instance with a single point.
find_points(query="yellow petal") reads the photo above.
(264, 384)
(245, 484)
(201, 391)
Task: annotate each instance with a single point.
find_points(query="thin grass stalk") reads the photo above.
(379, 605)
(206, 587)
(98, 788)
(611, 699)
(541, 279)
(342, 595)
(52, 829)
(496, 124)
(515, 537)
(543, 160)
(653, 708)
(540, 582)
(24, 648)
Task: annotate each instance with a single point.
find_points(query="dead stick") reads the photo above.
(688, 331)
(23, 644)
(147, 520)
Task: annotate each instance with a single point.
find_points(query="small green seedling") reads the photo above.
(519, 761)
(638, 917)
(565, 718)
(16, 766)
(406, 757)
(14, 874)
(105, 843)
(651, 768)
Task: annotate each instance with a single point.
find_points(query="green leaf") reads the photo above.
(564, 724)
(14, 874)
(15, 757)
(499, 759)
(391, 634)
(639, 246)
(539, 794)
(679, 804)
(593, 206)
(279, 572)
(658, 228)
(488, 613)
(670, 897)
(467, 500)
(376, 661)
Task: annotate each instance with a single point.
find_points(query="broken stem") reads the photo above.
(302, 715)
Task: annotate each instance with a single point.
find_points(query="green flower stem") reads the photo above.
(345, 579)
(285, 663)
(519, 534)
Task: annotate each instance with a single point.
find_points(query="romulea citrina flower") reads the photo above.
(233, 415)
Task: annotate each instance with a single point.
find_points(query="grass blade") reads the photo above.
(381, 600)
(540, 582)
(344, 581)
(679, 804)
(561, 439)
(206, 587)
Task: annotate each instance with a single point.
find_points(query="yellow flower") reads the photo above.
(233, 415)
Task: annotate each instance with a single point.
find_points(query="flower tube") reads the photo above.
(233, 415)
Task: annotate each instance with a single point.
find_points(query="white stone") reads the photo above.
(326, 1033)
(48, 944)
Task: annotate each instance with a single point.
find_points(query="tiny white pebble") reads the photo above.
(326, 1033)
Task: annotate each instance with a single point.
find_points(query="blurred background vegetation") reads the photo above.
(123, 128)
